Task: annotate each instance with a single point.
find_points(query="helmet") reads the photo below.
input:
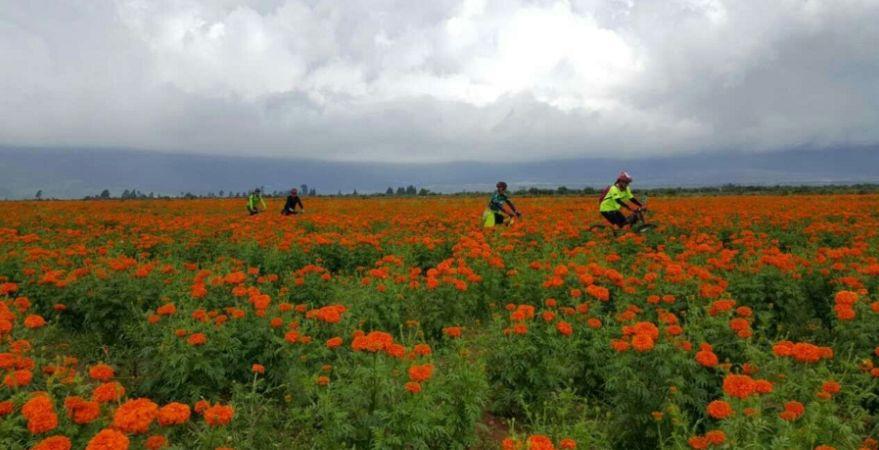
(294, 191)
(257, 190)
(501, 185)
(624, 177)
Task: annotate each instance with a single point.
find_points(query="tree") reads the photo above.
(410, 190)
(423, 192)
(303, 189)
(390, 191)
(312, 192)
(401, 190)
(105, 194)
(39, 194)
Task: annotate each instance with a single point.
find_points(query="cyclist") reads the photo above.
(495, 214)
(254, 200)
(293, 201)
(614, 199)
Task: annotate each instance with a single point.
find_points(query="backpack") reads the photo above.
(603, 194)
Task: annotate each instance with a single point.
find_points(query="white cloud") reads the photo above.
(440, 80)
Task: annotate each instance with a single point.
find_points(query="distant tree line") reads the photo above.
(412, 191)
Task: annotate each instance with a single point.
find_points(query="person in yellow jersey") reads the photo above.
(614, 200)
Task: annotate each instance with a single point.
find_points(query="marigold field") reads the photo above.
(739, 322)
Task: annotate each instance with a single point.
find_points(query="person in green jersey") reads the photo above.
(496, 214)
(614, 200)
(254, 201)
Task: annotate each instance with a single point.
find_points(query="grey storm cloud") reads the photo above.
(441, 80)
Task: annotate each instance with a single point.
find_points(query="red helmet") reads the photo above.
(624, 177)
(294, 191)
(501, 184)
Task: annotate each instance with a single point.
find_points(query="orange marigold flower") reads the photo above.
(698, 442)
(219, 415)
(201, 406)
(738, 386)
(421, 350)
(6, 407)
(619, 345)
(510, 444)
(719, 409)
(166, 310)
(108, 392)
(101, 372)
(762, 386)
(831, 387)
(642, 342)
(34, 321)
(420, 373)
(108, 439)
(793, 410)
(54, 443)
(715, 437)
(706, 358)
(375, 341)
(39, 411)
(174, 414)
(18, 378)
(322, 380)
(396, 350)
(564, 328)
(81, 410)
(135, 416)
(568, 444)
(196, 339)
(334, 342)
(413, 387)
(452, 332)
(258, 368)
(540, 442)
(155, 442)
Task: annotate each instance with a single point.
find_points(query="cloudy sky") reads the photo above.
(440, 80)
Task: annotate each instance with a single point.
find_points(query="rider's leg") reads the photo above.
(616, 218)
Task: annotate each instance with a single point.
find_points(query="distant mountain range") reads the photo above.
(76, 172)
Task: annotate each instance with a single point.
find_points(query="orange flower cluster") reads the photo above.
(802, 351)
(375, 342)
(217, 415)
(709, 439)
(845, 304)
(173, 414)
(538, 442)
(135, 416)
(743, 386)
(109, 439)
(641, 337)
(706, 356)
(793, 410)
(82, 411)
(40, 414)
(328, 314)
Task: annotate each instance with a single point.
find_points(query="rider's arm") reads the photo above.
(636, 202)
(261, 200)
(624, 204)
(513, 207)
(299, 202)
